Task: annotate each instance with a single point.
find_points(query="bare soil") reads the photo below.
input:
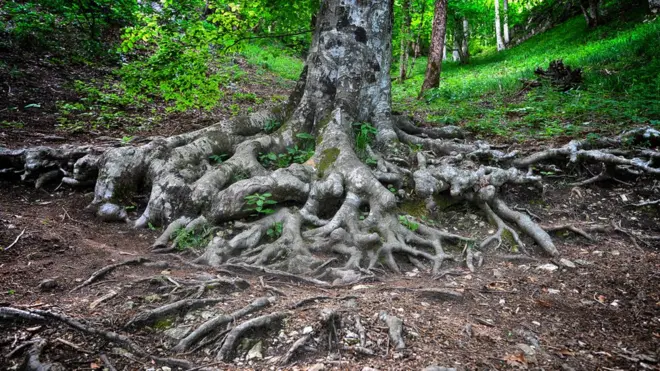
(603, 314)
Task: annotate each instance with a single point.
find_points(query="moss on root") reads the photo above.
(328, 158)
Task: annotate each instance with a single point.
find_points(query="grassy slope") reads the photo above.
(621, 64)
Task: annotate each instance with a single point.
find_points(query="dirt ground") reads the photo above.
(510, 313)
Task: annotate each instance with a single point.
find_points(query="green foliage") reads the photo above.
(403, 219)
(364, 136)
(621, 85)
(218, 159)
(189, 239)
(126, 139)
(275, 230)
(260, 203)
(47, 24)
(271, 126)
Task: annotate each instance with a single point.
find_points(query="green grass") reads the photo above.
(621, 88)
(273, 59)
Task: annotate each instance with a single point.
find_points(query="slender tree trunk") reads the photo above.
(498, 27)
(591, 11)
(465, 47)
(455, 54)
(434, 65)
(405, 42)
(654, 6)
(444, 49)
(505, 29)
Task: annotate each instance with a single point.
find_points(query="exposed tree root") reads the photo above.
(181, 306)
(336, 219)
(327, 317)
(395, 326)
(32, 362)
(109, 336)
(215, 323)
(107, 269)
(237, 332)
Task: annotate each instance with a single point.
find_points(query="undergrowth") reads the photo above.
(620, 63)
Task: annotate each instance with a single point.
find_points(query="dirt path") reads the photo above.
(510, 313)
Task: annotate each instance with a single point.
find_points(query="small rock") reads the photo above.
(369, 369)
(615, 253)
(529, 352)
(553, 291)
(498, 273)
(361, 287)
(128, 305)
(307, 330)
(177, 333)
(165, 368)
(548, 267)
(152, 298)
(317, 367)
(438, 368)
(48, 284)
(256, 352)
(566, 263)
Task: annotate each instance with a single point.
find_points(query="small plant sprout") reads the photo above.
(275, 230)
(260, 203)
(406, 222)
(218, 159)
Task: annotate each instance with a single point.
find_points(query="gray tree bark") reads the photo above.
(498, 27)
(505, 26)
(405, 40)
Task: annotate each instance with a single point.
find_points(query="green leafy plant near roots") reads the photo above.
(275, 230)
(364, 135)
(406, 222)
(260, 203)
(297, 154)
(185, 239)
(218, 159)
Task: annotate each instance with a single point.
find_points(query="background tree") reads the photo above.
(434, 64)
(498, 27)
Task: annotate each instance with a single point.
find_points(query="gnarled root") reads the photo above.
(217, 322)
(395, 326)
(237, 332)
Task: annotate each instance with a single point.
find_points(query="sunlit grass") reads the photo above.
(621, 65)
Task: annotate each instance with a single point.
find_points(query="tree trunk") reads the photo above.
(654, 6)
(456, 49)
(444, 49)
(462, 46)
(591, 11)
(405, 42)
(434, 65)
(498, 27)
(505, 28)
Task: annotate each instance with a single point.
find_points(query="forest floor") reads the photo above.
(600, 312)
(511, 313)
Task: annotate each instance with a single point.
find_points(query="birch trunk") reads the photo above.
(498, 27)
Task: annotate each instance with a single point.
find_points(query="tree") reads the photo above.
(591, 11)
(434, 64)
(346, 199)
(405, 42)
(498, 27)
(505, 28)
